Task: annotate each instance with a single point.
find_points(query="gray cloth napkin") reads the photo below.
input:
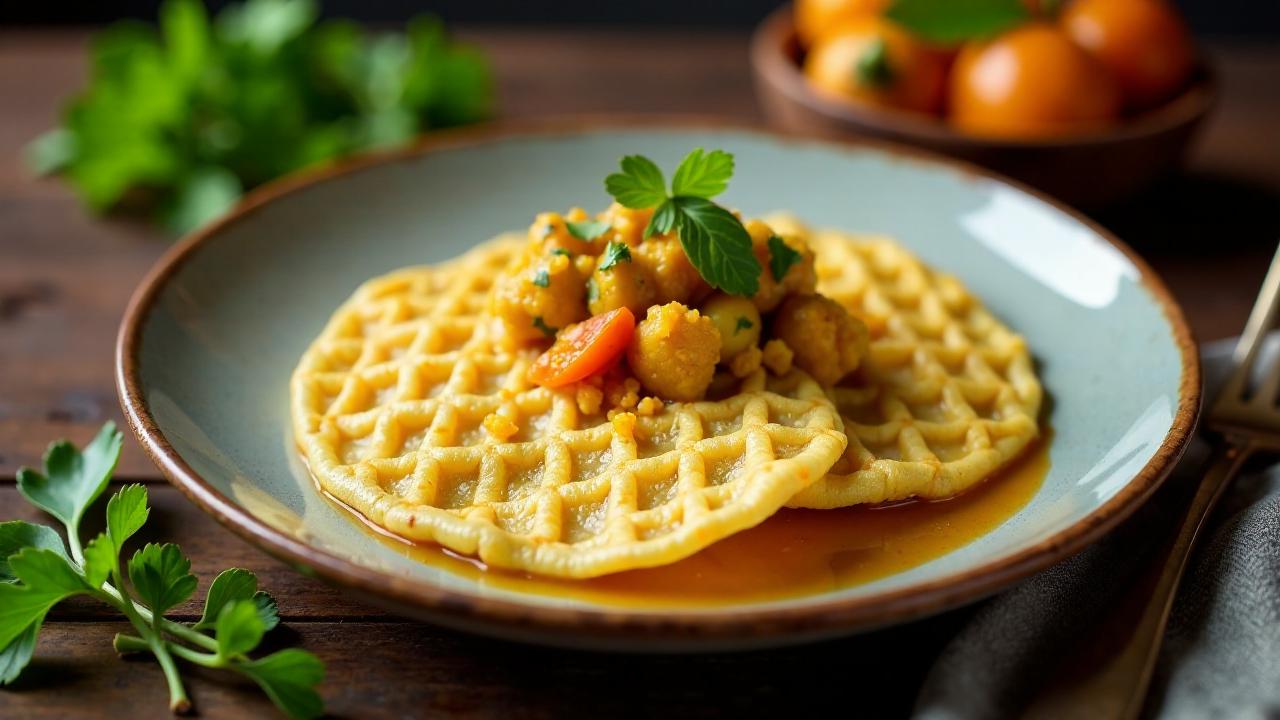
(1221, 655)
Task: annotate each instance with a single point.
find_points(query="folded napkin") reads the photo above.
(1221, 655)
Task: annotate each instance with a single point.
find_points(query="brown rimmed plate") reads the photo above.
(213, 333)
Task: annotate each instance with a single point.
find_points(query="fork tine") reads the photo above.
(1261, 319)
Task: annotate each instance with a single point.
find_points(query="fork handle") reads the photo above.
(1109, 676)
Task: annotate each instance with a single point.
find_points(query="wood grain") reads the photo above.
(65, 277)
(395, 670)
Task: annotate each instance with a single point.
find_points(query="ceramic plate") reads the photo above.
(211, 337)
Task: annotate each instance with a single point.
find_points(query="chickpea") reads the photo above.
(674, 352)
(675, 277)
(800, 278)
(625, 284)
(738, 321)
(827, 341)
(538, 294)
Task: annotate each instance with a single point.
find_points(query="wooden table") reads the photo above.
(65, 277)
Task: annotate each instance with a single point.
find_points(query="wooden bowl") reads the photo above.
(1087, 170)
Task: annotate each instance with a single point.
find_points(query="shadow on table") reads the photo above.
(1200, 215)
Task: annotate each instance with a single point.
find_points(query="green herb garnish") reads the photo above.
(179, 120)
(955, 21)
(781, 257)
(542, 279)
(561, 251)
(593, 290)
(37, 571)
(615, 253)
(541, 324)
(587, 230)
(873, 68)
(742, 324)
(714, 239)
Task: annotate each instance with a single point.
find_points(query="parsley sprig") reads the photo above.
(37, 571)
(714, 239)
(180, 118)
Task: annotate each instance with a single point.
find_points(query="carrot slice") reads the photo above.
(585, 349)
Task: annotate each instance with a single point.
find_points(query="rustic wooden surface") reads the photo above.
(65, 277)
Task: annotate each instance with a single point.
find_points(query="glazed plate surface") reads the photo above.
(215, 331)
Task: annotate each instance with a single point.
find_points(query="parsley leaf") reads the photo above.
(781, 257)
(238, 629)
(955, 21)
(542, 278)
(72, 480)
(702, 175)
(268, 610)
(588, 230)
(16, 535)
(229, 586)
(100, 558)
(718, 246)
(47, 578)
(289, 678)
(742, 324)
(17, 654)
(161, 575)
(127, 512)
(640, 184)
(542, 325)
(615, 253)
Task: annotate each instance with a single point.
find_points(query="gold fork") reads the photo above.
(1245, 418)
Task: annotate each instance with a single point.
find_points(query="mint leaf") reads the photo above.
(17, 535)
(703, 175)
(101, 556)
(127, 512)
(268, 610)
(161, 575)
(718, 246)
(615, 253)
(662, 221)
(955, 21)
(230, 586)
(542, 279)
(239, 628)
(781, 257)
(588, 230)
(640, 184)
(289, 678)
(72, 479)
(17, 654)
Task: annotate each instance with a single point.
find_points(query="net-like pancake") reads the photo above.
(390, 405)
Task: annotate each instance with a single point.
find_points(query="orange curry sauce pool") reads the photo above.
(793, 553)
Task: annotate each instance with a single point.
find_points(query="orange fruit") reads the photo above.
(1032, 81)
(1145, 43)
(814, 18)
(874, 61)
